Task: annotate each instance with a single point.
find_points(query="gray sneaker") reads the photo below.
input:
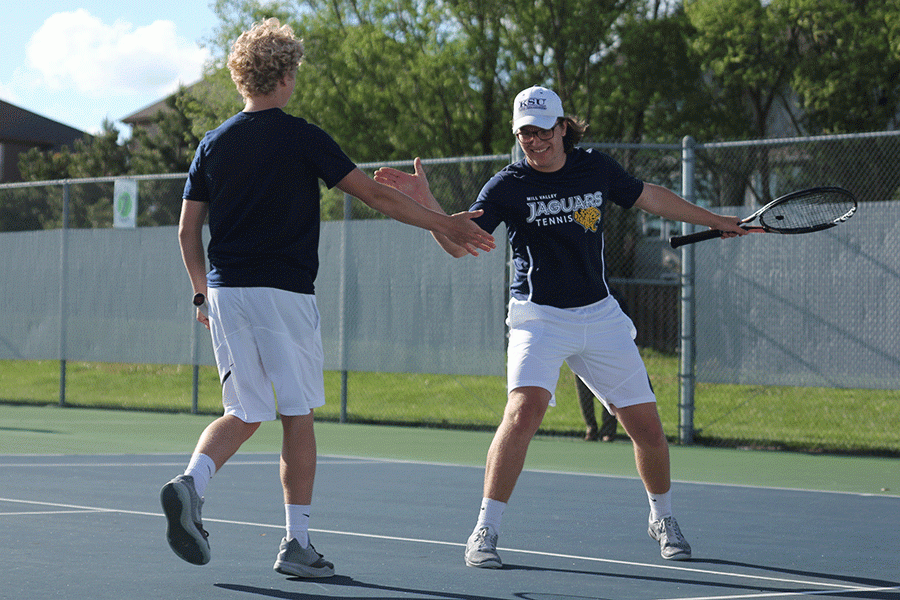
(301, 562)
(672, 545)
(481, 549)
(184, 531)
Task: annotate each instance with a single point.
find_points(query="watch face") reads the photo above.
(199, 299)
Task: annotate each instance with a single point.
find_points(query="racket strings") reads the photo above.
(810, 212)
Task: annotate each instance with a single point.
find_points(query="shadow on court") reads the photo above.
(761, 590)
(90, 526)
(342, 581)
(344, 586)
(848, 579)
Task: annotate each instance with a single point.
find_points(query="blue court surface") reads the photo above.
(91, 527)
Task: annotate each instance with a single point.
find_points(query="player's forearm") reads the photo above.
(669, 205)
(428, 200)
(194, 259)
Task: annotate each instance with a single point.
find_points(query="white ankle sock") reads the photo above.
(201, 468)
(660, 505)
(296, 517)
(491, 514)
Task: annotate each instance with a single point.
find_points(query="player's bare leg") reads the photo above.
(651, 454)
(525, 409)
(651, 449)
(296, 556)
(298, 458)
(182, 497)
(223, 437)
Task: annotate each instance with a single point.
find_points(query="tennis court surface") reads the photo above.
(90, 526)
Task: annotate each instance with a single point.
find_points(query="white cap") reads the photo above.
(536, 106)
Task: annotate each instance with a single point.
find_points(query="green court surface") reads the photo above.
(74, 431)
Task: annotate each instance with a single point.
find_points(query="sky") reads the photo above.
(79, 62)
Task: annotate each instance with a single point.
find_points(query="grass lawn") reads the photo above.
(813, 419)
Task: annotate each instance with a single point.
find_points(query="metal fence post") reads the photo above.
(63, 289)
(687, 334)
(195, 365)
(342, 317)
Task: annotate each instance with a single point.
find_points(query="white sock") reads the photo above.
(296, 518)
(660, 505)
(491, 514)
(201, 468)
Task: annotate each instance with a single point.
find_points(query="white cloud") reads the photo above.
(76, 49)
(8, 93)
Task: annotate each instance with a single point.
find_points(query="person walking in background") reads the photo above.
(607, 429)
(561, 309)
(256, 177)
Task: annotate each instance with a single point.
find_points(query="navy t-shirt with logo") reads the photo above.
(555, 225)
(260, 172)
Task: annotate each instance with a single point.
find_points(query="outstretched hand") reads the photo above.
(468, 235)
(414, 185)
(462, 233)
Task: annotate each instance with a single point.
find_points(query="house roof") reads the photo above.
(146, 114)
(22, 126)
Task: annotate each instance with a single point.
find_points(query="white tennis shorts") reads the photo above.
(597, 341)
(268, 347)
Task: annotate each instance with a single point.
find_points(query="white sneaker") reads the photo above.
(672, 545)
(481, 549)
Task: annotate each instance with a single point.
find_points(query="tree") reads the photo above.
(168, 145)
(649, 83)
(559, 43)
(848, 79)
(92, 156)
(748, 50)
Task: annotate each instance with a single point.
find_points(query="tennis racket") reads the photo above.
(803, 211)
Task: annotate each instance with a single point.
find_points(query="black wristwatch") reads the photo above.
(199, 299)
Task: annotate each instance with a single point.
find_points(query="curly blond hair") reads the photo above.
(262, 56)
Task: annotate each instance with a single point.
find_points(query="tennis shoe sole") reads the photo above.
(184, 530)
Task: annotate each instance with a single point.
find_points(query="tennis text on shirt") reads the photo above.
(554, 222)
(584, 210)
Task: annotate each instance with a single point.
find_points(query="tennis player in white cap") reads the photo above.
(553, 204)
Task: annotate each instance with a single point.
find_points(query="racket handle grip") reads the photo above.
(682, 240)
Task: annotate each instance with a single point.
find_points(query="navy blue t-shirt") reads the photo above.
(555, 225)
(260, 173)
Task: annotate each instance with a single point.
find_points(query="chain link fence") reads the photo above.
(800, 333)
(787, 354)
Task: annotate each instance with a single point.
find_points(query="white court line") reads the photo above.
(786, 594)
(182, 464)
(685, 569)
(339, 459)
(47, 512)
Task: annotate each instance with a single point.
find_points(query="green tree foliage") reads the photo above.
(848, 79)
(392, 79)
(558, 43)
(646, 85)
(100, 155)
(167, 146)
(748, 51)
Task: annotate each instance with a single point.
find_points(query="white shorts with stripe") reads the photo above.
(597, 342)
(268, 348)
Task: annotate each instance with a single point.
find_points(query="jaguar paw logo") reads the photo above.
(589, 218)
